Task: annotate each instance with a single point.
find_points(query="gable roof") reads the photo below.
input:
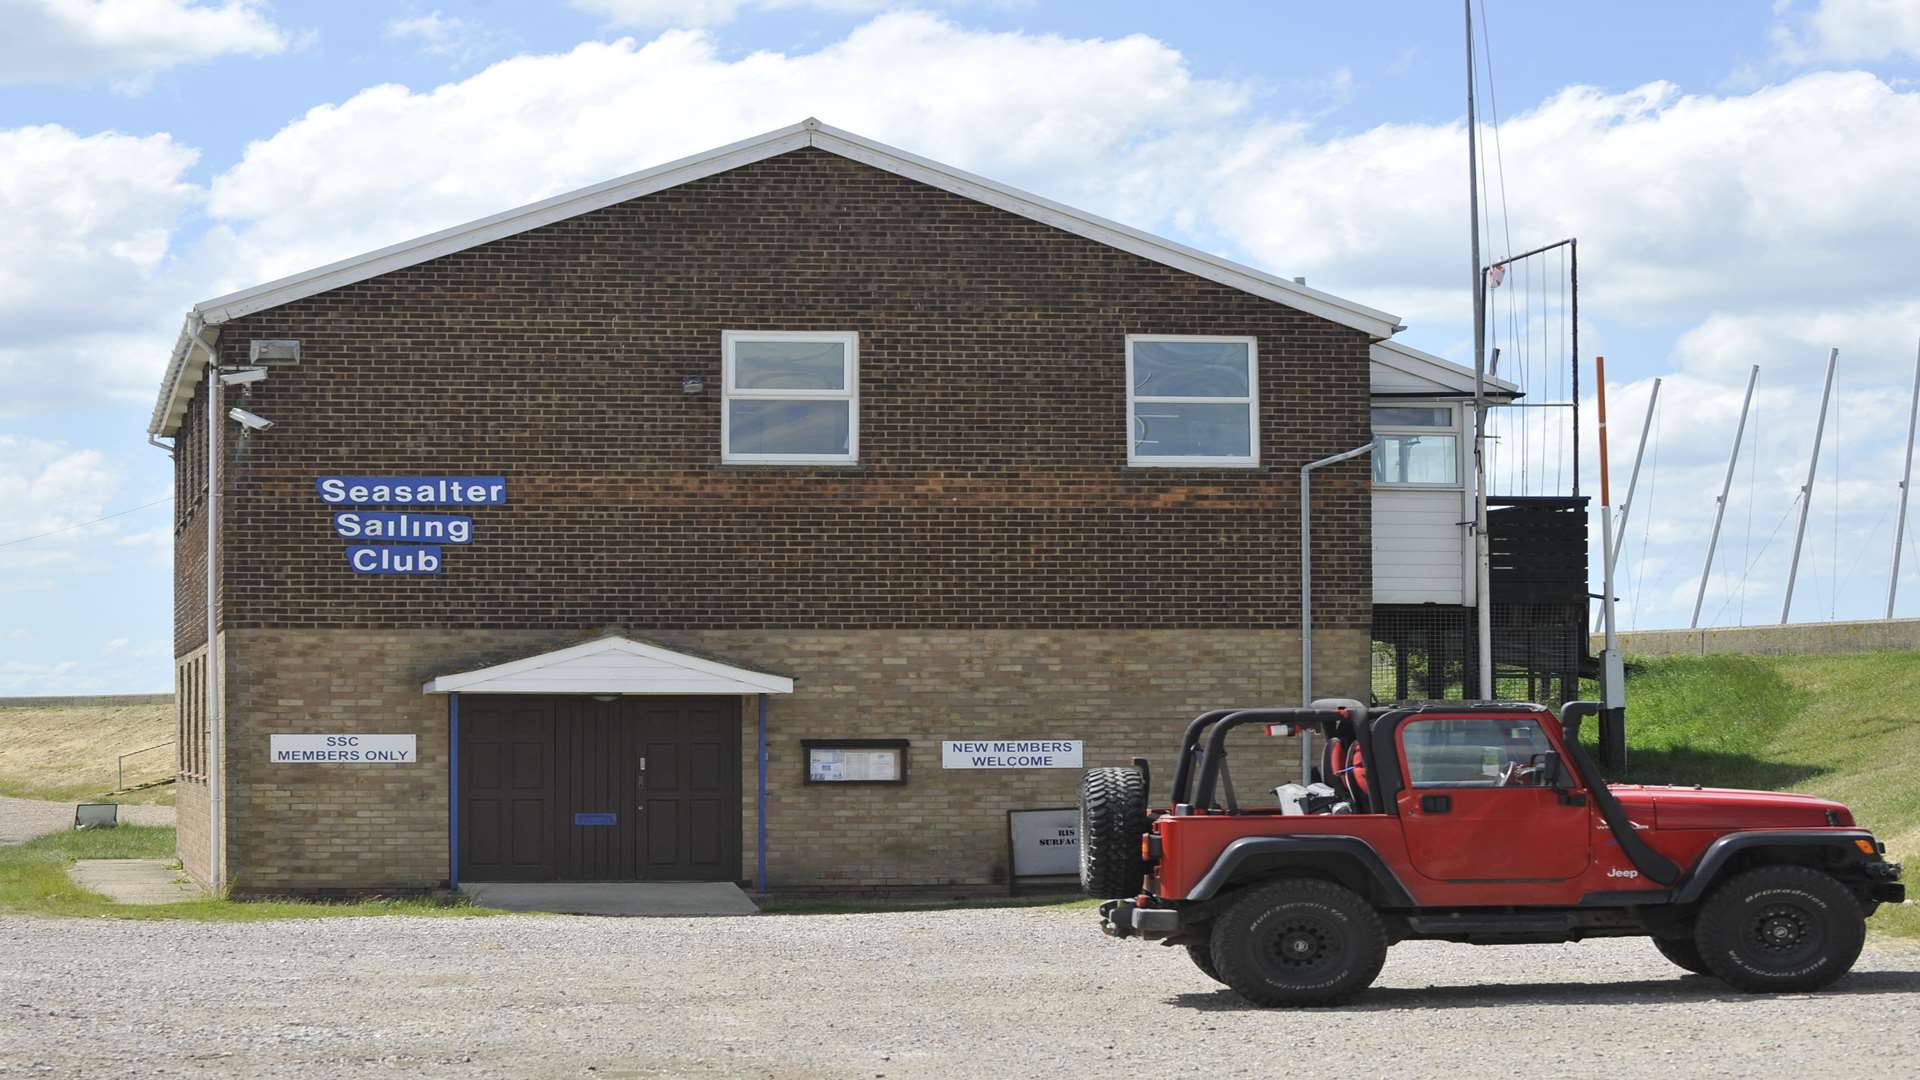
(1402, 369)
(184, 371)
(611, 665)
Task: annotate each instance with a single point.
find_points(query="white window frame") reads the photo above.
(849, 339)
(1249, 460)
(1453, 428)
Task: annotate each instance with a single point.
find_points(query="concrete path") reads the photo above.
(23, 819)
(613, 898)
(134, 881)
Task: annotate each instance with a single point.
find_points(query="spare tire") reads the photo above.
(1113, 815)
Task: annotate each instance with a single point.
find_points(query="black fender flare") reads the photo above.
(1255, 854)
(1706, 870)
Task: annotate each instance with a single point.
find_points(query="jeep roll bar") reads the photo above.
(1215, 754)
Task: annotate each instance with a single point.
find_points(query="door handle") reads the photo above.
(640, 785)
(1436, 804)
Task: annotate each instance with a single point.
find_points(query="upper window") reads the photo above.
(1192, 400)
(790, 398)
(1417, 444)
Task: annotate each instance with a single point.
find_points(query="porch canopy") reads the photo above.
(611, 665)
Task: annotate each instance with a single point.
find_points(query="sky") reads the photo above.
(1740, 175)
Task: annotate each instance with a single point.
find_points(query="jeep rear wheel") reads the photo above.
(1113, 815)
(1683, 952)
(1300, 942)
(1780, 928)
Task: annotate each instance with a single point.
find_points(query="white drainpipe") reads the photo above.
(216, 711)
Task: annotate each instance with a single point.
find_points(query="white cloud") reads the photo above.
(89, 224)
(449, 37)
(1848, 31)
(75, 40)
(49, 486)
(698, 13)
(1010, 104)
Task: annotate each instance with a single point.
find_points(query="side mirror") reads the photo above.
(1549, 772)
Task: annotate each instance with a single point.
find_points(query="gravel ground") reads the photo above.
(976, 993)
(23, 819)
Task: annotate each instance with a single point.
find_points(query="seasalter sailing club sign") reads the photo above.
(405, 542)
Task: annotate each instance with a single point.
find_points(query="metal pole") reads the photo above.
(1483, 611)
(1306, 591)
(1806, 493)
(1633, 481)
(1573, 279)
(1720, 504)
(215, 711)
(1900, 526)
(1613, 681)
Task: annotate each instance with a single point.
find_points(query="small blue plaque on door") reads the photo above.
(596, 819)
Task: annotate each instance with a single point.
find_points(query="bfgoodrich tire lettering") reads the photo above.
(1780, 928)
(1299, 942)
(1113, 815)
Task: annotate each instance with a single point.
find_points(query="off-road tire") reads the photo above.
(1202, 954)
(1299, 942)
(1113, 815)
(1684, 952)
(1780, 928)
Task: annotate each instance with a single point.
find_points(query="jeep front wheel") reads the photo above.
(1299, 942)
(1113, 815)
(1780, 928)
(1683, 952)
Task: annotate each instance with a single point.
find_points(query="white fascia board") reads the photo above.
(1443, 374)
(183, 375)
(702, 675)
(1372, 321)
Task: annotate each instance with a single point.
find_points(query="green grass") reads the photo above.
(1841, 727)
(33, 880)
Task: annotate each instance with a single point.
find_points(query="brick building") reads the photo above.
(786, 467)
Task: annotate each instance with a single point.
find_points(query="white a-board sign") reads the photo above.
(1044, 841)
(1010, 753)
(343, 749)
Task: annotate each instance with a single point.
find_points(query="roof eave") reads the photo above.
(181, 374)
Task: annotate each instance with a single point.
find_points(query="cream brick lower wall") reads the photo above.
(1125, 692)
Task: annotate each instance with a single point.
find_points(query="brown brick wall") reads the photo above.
(1125, 692)
(190, 529)
(993, 489)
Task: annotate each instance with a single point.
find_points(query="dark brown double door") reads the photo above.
(567, 788)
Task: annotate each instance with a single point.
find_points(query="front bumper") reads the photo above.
(1883, 883)
(1127, 918)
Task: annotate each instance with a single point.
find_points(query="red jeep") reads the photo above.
(1478, 823)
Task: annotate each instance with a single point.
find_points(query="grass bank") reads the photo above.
(33, 880)
(66, 752)
(1841, 727)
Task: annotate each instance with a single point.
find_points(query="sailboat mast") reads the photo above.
(1483, 599)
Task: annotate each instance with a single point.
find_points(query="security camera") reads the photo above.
(251, 421)
(243, 376)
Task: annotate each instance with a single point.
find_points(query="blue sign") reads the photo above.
(412, 490)
(412, 528)
(596, 819)
(410, 559)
